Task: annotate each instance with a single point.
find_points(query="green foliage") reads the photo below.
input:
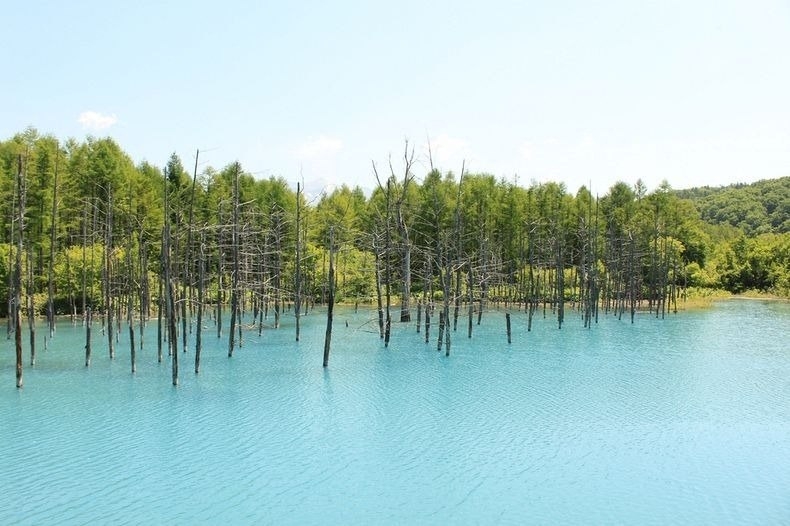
(734, 238)
(758, 208)
(761, 263)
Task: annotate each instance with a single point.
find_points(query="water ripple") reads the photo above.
(659, 422)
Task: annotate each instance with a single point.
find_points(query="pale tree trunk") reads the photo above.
(234, 288)
(298, 270)
(188, 257)
(18, 275)
(31, 310)
(377, 271)
(108, 298)
(160, 302)
(52, 240)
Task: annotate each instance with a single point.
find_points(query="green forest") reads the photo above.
(85, 228)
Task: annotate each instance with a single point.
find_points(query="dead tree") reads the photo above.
(234, 248)
(201, 285)
(52, 242)
(298, 262)
(108, 295)
(188, 256)
(30, 306)
(169, 300)
(330, 296)
(403, 230)
(21, 191)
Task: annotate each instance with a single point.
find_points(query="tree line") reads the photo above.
(87, 232)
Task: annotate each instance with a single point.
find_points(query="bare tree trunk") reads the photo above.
(428, 300)
(442, 328)
(560, 290)
(11, 321)
(234, 288)
(330, 297)
(52, 240)
(21, 190)
(201, 298)
(278, 276)
(108, 297)
(31, 310)
(387, 270)
(188, 256)
(72, 297)
(85, 264)
(471, 299)
(403, 228)
(130, 319)
(144, 295)
(447, 288)
(88, 322)
(298, 270)
(377, 271)
(405, 309)
(172, 337)
(130, 301)
(160, 303)
(220, 290)
(457, 301)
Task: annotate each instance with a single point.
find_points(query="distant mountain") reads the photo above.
(757, 208)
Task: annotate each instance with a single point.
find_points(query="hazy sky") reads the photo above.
(580, 92)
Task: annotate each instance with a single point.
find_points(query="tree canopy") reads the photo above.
(109, 214)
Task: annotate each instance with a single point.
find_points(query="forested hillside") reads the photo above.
(749, 226)
(758, 208)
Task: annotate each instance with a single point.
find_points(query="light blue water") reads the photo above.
(682, 420)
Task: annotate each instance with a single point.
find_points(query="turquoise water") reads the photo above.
(682, 420)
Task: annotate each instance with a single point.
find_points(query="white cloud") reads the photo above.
(320, 147)
(93, 120)
(447, 150)
(527, 150)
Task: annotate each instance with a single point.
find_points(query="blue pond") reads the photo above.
(681, 420)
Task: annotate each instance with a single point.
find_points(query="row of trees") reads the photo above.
(88, 231)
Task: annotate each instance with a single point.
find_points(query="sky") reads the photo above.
(577, 92)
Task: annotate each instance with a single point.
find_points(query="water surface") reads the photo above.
(681, 420)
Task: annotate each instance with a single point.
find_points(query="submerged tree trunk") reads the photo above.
(31, 310)
(108, 297)
(447, 288)
(298, 270)
(188, 257)
(21, 190)
(52, 240)
(143, 289)
(85, 263)
(161, 305)
(330, 298)
(88, 322)
(377, 272)
(201, 298)
(130, 319)
(234, 288)
(11, 322)
(172, 337)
